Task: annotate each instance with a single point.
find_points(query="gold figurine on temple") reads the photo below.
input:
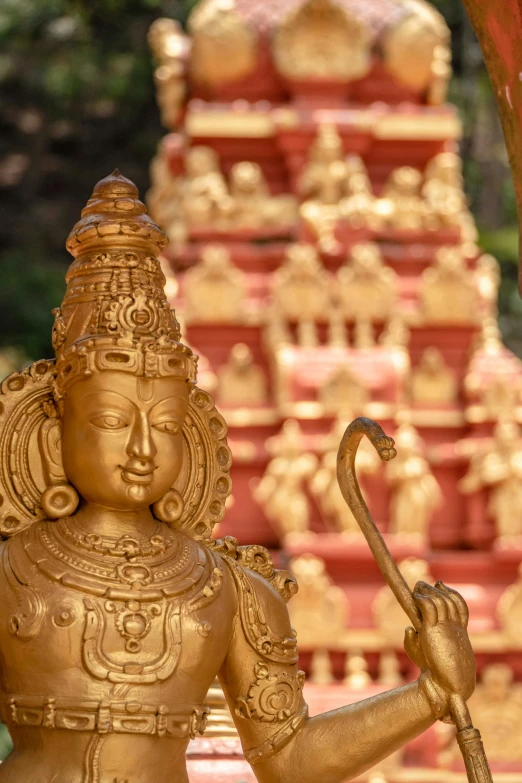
(119, 607)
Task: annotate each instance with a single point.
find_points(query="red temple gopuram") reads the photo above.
(323, 259)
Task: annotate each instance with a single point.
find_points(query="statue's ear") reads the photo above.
(50, 446)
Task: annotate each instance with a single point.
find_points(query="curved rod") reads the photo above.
(349, 486)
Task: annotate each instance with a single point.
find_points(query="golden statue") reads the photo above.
(319, 612)
(498, 467)
(254, 207)
(214, 289)
(365, 286)
(443, 191)
(280, 492)
(432, 381)
(401, 205)
(205, 198)
(495, 394)
(509, 612)
(169, 47)
(387, 614)
(240, 380)
(342, 389)
(415, 490)
(333, 185)
(325, 177)
(325, 487)
(357, 207)
(301, 287)
(497, 705)
(119, 608)
(448, 293)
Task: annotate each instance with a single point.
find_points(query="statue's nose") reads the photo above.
(141, 443)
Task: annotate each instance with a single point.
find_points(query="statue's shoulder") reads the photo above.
(262, 592)
(254, 564)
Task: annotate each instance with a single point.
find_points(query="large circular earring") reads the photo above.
(169, 508)
(59, 500)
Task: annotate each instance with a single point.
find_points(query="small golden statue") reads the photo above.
(119, 608)
(205, 198)
(497, 704)
(254, 207)
(325, 487)
(385, 609)
(443, 191)
(509, 612)
(402, 206)
(332, 186)
(365, 286)
(240, 380)
(342, 389)
(415, 490)
(169, 47)
(319, 612)
(326, 175)
(498, 468)
(448, 293)
(214, 289)
(281, 491)
(301, 287)
(432, 381)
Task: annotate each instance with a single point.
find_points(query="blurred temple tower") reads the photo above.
(325, 261)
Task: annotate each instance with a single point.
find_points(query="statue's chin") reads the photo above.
(139, 493)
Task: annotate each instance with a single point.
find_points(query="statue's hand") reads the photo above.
(441, 648)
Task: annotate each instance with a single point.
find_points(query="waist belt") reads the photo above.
(104, 717)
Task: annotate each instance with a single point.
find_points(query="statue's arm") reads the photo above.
(263, 686)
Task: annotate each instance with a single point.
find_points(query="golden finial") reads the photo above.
(114, 216)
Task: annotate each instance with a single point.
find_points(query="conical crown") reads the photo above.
(115, 314)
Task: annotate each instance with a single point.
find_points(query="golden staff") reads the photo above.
(470, 742)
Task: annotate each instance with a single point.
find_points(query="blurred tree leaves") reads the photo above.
(77, 100)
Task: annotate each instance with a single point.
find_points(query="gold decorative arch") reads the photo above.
(319, 39)
(224, 45)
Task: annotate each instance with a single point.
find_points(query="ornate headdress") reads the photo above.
(115, 314)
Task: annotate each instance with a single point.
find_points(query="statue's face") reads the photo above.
(122, 444)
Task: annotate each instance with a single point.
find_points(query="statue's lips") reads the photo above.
(133, 476)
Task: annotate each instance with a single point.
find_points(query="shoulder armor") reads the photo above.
(257, 558)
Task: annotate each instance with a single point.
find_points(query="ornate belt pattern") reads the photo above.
(105, 717)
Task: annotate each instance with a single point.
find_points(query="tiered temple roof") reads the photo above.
(325, 262)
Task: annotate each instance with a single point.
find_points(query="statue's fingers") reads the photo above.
(427, 609)
(459, 602)
(438, 598)
(453, 609)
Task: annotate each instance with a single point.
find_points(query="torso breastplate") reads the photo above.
(105, 635)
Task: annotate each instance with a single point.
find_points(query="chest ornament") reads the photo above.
(135, 594)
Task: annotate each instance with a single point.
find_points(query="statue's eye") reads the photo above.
(109, 422)
(170, 426)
